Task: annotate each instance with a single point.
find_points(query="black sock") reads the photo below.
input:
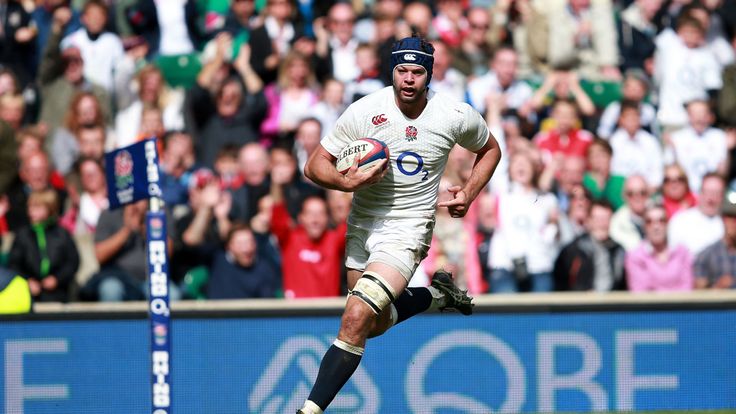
(412, 301)
(336, 368)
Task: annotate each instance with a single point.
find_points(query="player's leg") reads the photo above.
(371, 294)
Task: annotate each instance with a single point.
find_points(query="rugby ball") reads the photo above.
(369, 150)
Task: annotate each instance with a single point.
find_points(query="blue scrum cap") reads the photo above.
(413, 51)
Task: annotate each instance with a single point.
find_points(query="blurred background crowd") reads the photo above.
(617, 119)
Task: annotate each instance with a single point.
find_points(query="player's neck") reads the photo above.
(412, 110)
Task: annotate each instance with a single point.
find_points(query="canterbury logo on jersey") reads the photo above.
(379, 119)
(410, 57)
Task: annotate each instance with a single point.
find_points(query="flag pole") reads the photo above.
(159, 309)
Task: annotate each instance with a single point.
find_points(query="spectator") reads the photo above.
(204, 228)
(43, 252)
(254, 165)
(29, 140)
(445, 78)
(654, 266)
(582, 35)
(698, 227)
(290, 99)
(715, 266)
(524, 244)
(312, 253)
(240, 271)
(568, 177)
(273, 39)
(572, 222)
(676, 194)
(12, 110)
(295, 187)
(627, 223)
(233, 116)
(522, 24)
(336, 46)
(61, 76)
(169, 27)
(637, 30)
(565, 138)
(120, 249)
(699, 148)
(377, 27)
(18, 35)
(8, 157)
(502, 78)
(560, 85)
(484, 235)
(450, 22)
(635, 89)
(593, 261)
(475, 51)
(178, 162)
(83, 218)
(227, 168)
(330, 106)
(684, 71)
(369, 79)
(598, 179)
(151, 92)
(43, 19)
(239, 21)
(715, 38)
(100, 49)
(35, 174)
(636, 151)
(83, 119)
(306, 141)
(151, 124)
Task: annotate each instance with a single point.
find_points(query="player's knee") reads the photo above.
(357, 321)
(374, 291)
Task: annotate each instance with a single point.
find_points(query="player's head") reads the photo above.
(411, 54)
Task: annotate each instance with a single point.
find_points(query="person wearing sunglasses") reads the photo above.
(675, 191)
(654, 266)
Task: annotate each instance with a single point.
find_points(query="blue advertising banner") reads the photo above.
(132, 173)
(432, 364)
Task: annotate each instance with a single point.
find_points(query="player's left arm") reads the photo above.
(486, 161)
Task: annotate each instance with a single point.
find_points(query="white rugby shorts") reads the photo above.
(398, 242)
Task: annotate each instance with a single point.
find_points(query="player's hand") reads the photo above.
(458, 205)
(357, 179)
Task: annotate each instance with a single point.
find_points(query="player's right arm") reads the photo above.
(321, 169)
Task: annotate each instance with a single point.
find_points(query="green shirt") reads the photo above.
(613, 191)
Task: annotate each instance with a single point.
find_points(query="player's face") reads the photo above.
(410, 83)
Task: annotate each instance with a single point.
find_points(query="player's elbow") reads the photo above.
(309, 170)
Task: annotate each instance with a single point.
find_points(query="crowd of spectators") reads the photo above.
(617, 120)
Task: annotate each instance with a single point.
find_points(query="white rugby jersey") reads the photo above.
(418, 149)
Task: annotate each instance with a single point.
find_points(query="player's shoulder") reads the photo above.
(450, 107)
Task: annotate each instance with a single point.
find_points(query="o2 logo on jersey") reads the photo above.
(410, 163)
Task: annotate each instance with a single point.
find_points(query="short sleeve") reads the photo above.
(342, 134)
(475, 132)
